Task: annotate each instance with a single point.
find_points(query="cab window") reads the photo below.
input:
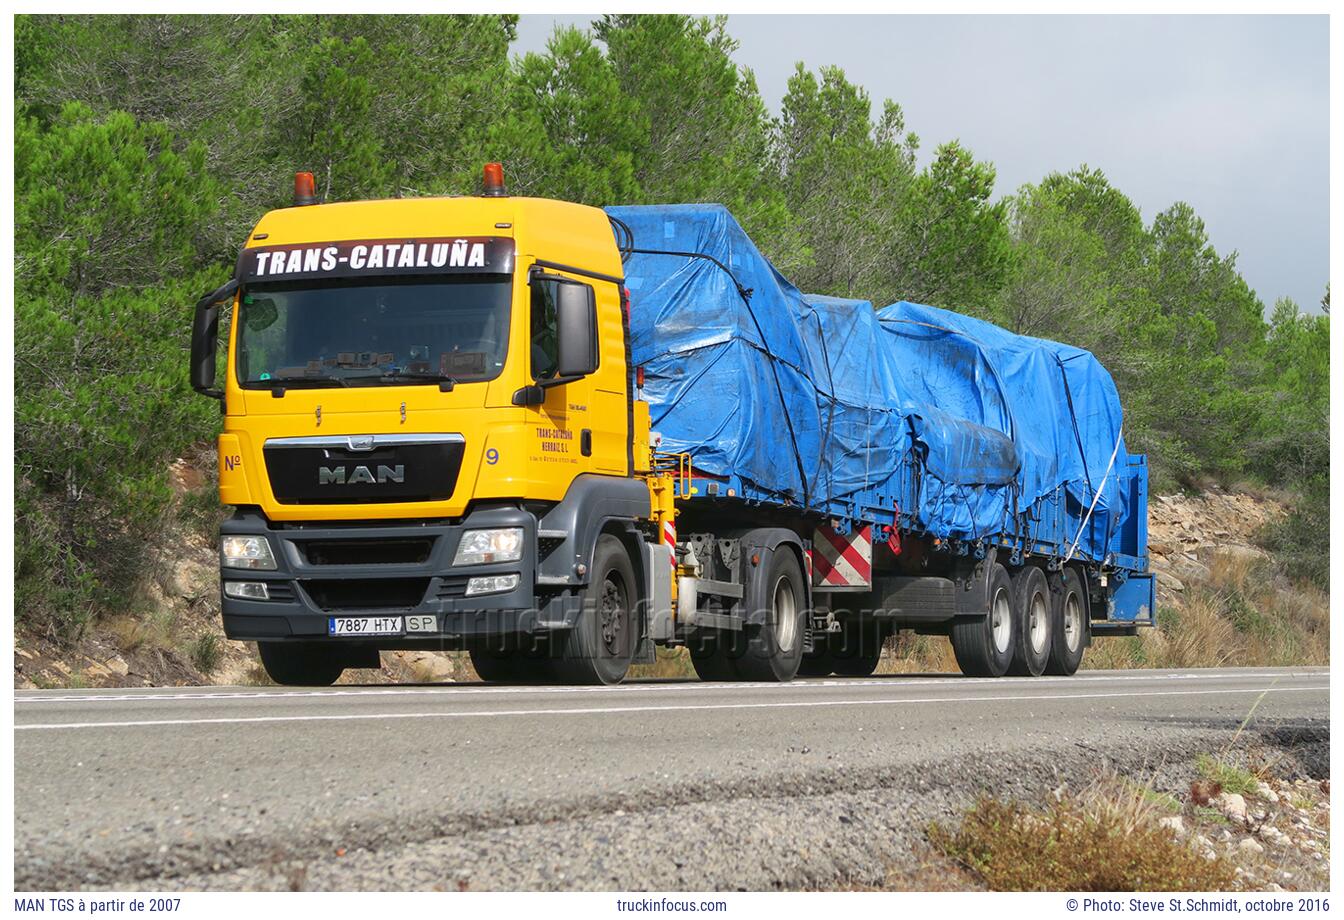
(544, 353)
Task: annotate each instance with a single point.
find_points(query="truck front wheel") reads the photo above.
(301, 664)
(598, 649)
(509, 665)
(984, 644)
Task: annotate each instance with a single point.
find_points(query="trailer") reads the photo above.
(559, 437)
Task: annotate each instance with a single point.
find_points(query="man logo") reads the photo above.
(336, 476)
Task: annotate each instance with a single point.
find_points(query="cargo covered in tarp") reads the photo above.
(821, 402)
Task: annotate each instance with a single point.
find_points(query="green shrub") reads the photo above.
(206, 652)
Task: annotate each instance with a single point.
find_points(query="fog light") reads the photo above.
(491, 584)
(247, 590)
(246, 553)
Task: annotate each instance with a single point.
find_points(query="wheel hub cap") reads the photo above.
(786, 616)
(1039, 625)
(1073, 623)
(1001, 620)
(611, 610)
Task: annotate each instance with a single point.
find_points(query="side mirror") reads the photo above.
(575, 330)
(205, 340)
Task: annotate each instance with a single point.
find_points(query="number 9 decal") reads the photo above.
(492, 456)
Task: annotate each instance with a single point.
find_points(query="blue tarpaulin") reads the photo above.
(823, 402)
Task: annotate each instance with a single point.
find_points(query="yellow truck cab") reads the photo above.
(431, 437)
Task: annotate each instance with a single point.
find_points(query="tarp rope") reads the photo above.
(1096, 498)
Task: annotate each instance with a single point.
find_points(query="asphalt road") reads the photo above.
(651, 785)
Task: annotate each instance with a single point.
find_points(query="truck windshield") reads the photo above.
(384, 332)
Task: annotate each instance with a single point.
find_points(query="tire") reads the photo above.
(714, 654)
(509, 666)
(983, 650)
(301, 664)
(856, 649)
(1035, 622)
(774, 649)
(1069, 638)
(819, 662)
(600, 646)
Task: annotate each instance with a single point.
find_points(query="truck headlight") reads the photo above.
(246, 553)
(498, 544)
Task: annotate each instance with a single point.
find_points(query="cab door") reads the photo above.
(583, 424)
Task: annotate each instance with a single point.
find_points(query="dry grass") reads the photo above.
(670, 662)
(1106, 838)
(155, 630)
(907, 653)
(1241, 614)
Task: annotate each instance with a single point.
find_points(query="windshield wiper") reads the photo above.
(445, 382)
(280, 382)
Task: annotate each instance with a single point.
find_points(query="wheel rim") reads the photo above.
(1073, 622)
(786, 615)
(612, 614)
(1039, 623)
(1001, 620)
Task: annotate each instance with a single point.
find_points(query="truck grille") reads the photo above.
(411, 551)
(452, 587)
(280, 591)
(366, 593)
(363, 468)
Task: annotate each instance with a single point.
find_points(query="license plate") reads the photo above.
(364, 626)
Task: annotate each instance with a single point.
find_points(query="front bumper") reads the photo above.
(401, 570)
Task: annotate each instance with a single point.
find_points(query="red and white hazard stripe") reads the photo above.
(843, 560)
(670, 538)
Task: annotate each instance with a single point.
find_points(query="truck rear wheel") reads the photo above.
(774, 649)
(599, 648)
(984, 644)
(1035, 619)
(301, 664)
(1070, 626)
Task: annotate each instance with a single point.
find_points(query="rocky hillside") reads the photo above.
(1185, 531)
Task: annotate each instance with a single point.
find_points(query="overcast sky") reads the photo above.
(1229, 113)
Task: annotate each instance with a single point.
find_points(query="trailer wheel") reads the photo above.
(774, 649)
(1035, 621)
(599, 648)
(301, 664)
(856, 649)
(1070, 626)
(984, 644)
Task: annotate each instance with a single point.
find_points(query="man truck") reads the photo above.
(558, 436)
